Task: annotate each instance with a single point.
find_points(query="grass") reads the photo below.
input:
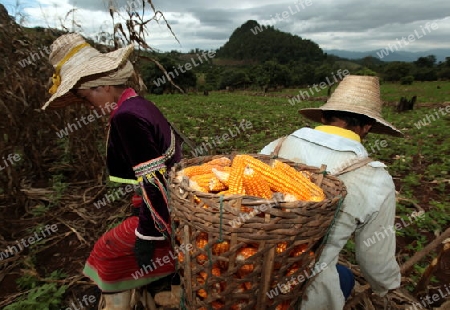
(425, 91)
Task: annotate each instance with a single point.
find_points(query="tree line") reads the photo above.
(270, 59)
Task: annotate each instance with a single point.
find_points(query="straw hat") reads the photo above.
(357, 94)
(73, 59)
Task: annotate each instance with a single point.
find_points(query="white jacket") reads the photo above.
(368, 211)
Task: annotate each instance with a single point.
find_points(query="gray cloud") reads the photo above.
(343, 24)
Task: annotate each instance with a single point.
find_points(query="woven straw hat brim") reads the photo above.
(360, 95)
(381, 126)
(100, 63)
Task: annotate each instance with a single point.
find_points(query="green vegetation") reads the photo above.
(45, 294)
(255, 42)
(258, 57)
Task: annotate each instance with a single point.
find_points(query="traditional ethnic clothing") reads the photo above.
(141, 148)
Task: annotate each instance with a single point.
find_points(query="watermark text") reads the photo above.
(306, 94)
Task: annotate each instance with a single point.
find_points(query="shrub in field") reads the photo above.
(407, 80)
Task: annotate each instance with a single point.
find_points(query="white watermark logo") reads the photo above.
(304, 94)
(279, 17)
(117, 194)
(406, 40)
(85, 303)
(12, 158)
(43, 52)
(428, 300)
(23, 244)
(245, 216)
(183, 68)
(285, 287)
(109, 107)
(384, 233)
(167, 259)
(430, 117)
(217, 140)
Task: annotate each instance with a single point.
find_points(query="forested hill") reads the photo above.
(260, 43)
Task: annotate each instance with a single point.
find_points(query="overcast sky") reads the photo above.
(354, 25)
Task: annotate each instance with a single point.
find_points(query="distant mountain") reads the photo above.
(392, 56)
(254, 42)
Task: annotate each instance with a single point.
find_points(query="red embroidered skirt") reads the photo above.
(112, 264)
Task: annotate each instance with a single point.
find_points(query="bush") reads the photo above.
(407, 80)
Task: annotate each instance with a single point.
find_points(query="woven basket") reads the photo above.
(214, 238)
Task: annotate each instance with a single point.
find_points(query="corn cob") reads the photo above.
(215, 185)
(278, 181)
(246, 209)
(197, 170)
(222, 161)
(254, 185)
(202, 258)
(281, 247)
(216, 271)
(202, 181)
(222, 175)
(242, 255)
(222, 247)
(235, 181)
(315, 193)
(201, 242)
(180, 257)
(197, 200)
(194, 185)
(202, 293)
(298, 250)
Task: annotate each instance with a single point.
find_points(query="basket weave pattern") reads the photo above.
(274, 235)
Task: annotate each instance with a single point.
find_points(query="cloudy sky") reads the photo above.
(354, 25)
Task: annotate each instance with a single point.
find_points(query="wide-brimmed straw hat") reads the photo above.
(73, 59)
(357, 94)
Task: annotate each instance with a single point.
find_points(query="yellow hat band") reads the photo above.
(56, 78)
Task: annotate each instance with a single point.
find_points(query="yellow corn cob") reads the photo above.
(223, 176)
(278, 181)
(215, 185)
(235, 184)
(306, 174)
(194, 185)
(203, 179)
(197, 170)
(315, 192)
(222, 161)
(255, 185)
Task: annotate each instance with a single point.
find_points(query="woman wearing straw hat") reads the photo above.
(368, 211)
(141, 147)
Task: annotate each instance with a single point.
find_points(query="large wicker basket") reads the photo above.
(275, 276)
